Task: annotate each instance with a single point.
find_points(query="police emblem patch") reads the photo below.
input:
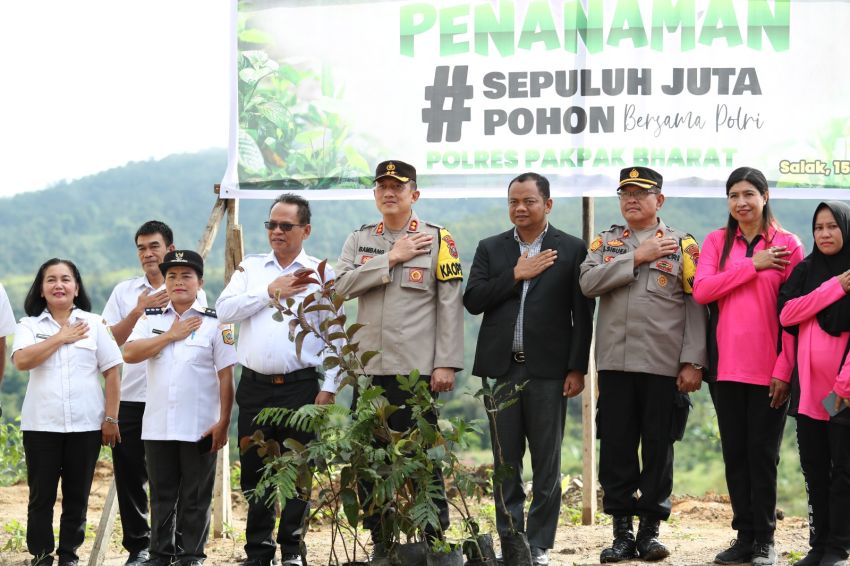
(415, 275)
(365, 258)
(659, 234)
(448, 262)
(634, 174)
(596, 244)
(608, 258)
(662, 280)
(450, 243)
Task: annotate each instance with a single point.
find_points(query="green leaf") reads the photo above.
(299, 342)
(278, 316)
(350, 505)
(254, 35)
(330, 362)
(249, 153)
(294, 445)
(364, 359)
(352, 330)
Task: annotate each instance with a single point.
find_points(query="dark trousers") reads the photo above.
(636, 410)
(131, 477)
(750, 435)
(402, 420)
(178, 471)
(538, 418)
(825, 459)
(50, 456)
(252, 396)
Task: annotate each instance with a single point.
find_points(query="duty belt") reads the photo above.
(303, 374)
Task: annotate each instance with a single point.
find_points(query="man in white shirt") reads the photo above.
(272, 374)
(7, 328)
(126, 305)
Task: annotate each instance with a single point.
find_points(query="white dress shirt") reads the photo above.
(183, 399)
(124, 299)
(264, 344)
(7, 317)
(64, 393)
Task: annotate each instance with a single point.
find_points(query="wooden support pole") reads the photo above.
(588, 400)
(104, 528)
(207, 240)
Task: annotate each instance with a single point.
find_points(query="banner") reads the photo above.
(473, 93)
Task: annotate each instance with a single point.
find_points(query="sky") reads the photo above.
(92, 84)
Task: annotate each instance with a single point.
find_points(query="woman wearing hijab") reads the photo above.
(741, 269)
(815, 306)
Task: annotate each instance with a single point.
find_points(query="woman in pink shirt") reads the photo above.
(816, 307)
(740, 270)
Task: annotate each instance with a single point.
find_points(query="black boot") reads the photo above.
(623, 547)
(648, 545)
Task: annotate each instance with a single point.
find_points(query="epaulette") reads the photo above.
(432, 225)
(370, 226)
(154, 310)
(209, 312)
(615, 227)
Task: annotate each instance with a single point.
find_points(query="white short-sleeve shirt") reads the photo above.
(64, 393)
(124, 299)
(183, 399)
(7, 317)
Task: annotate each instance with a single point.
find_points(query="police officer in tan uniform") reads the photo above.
(407, 277)
(650, 352)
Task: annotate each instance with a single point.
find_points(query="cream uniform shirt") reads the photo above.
(183, 399)
(124, 298)
(64, 393)
(7, 317)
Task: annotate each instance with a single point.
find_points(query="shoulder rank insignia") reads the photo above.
(616, 243)
(596, 244)
(448, 260)
(210, 312)
(227, 334)
(154, 310)
(414, 226)
(380, 229)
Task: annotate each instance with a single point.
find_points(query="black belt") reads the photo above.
(303, 374)
(519, 357)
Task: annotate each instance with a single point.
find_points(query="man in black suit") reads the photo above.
(536, 330)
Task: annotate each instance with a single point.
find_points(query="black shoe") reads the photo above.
(258, 562)
(158, 561)
(291, 559)
(764, 554)
(68, 562)
(833, 558)
(648, 546)
(740, 551)
(44, 560)
(137, 558)
(811, 559)
(623, 547)
(192, 562)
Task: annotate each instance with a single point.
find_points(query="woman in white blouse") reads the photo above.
(64, 418)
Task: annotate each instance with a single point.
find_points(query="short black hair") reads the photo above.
(541, 181)
(300, 202)
(35, 303)
(155, 227)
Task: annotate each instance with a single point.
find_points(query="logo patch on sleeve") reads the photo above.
(448, 259)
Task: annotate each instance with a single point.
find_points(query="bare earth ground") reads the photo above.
(697, 530)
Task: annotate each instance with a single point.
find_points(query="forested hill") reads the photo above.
(92, 220)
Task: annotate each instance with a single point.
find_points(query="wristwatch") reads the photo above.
(698, 367)
(110, 420)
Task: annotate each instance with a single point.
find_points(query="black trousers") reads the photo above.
(402, 420)
(825, 459)
(131, 477)
(253, 396)
(636, 410)
(51, 456)
(538, 417)
(750, 435)
(177, 471)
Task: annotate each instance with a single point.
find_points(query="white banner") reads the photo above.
(473, 93)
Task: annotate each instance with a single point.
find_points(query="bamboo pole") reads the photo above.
(588, 399)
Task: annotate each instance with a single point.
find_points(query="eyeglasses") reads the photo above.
(639, 194)
(284, 226)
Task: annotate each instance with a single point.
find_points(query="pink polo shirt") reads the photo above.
(818, 353)
(748, 325)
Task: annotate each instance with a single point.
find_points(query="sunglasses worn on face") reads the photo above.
(284, 226)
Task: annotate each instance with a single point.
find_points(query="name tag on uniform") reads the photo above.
(42, 336)
(158, 331)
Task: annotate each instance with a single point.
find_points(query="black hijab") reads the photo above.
(817, 268)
